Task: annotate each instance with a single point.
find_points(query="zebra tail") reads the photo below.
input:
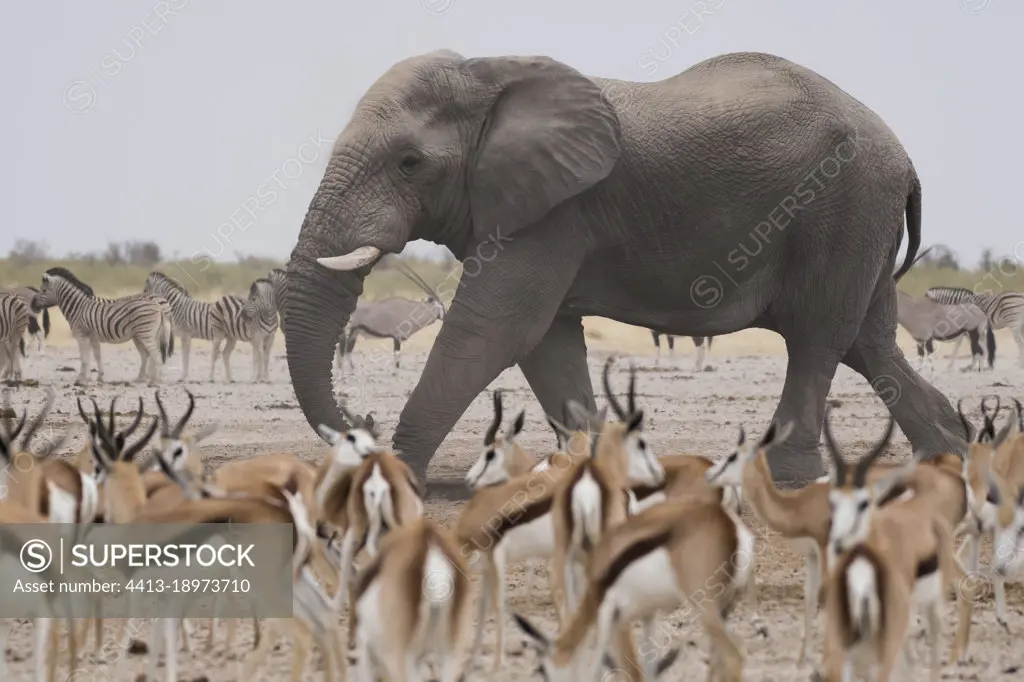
(46, 323)
(21, 344)
(991, 342)
(33, 325)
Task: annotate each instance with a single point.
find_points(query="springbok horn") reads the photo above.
(833, 449)
(860, 474)
(364, 255)
(492, 430)
(135, 423)
(185, 417)
(616, 407)
(165, 423)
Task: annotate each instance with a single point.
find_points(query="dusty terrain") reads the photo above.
(687, 412)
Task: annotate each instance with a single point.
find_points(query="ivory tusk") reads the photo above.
(351, 261)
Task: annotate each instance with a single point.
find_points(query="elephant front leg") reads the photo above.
(499, 316)
(557, 369)
(809, 374)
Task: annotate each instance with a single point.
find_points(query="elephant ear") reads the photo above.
(549, 135)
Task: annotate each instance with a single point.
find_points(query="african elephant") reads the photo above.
(746, 191)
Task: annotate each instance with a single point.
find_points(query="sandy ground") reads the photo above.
(687, 412)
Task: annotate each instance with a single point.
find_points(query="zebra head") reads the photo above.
(58, 282)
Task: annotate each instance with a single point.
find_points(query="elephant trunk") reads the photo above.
(317, 305)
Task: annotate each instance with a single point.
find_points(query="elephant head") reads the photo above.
(452, 150)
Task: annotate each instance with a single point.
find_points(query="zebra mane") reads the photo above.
(944, 294)
(253, 288)
(68, 277)
(170, 281)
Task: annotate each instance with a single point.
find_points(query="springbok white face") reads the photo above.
(851, 501)
(728, 471)
(350, 447)
(643, 466)
(492, 466)
(1008, 539)
(176, 451)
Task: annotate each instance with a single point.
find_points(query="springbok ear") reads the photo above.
(534, 636)
(328, 434)
(600, 418)
(516, 426)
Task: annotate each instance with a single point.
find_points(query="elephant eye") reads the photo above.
(410, 162)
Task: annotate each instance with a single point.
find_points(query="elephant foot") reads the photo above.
(448, 489)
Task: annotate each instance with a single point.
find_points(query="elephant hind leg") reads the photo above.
(917, 406)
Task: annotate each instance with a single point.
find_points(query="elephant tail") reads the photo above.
(913, 226)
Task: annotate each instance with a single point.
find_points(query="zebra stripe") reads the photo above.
(14, 318)
(141, 318)
(278, 278)
(254, 320)
(1002, 310)
(28, 294)
(192, 318)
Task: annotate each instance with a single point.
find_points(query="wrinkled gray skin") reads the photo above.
(567, 196)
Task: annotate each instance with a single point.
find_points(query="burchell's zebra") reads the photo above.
(278, 277)
(253, 320)
(141, 318)
(14, 317)
(928, 321)
(1002, 310)
(191, 318)
(27, 294)
(703, 344)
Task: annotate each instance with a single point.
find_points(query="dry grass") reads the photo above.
(602, 334)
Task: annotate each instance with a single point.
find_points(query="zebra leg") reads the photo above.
(229, 346)
(257, 357)
(156, 363)
(85, 359)
(215, 354)
(397, 351)
(1018, 337)
(99, 360)
(268, 343)
(186, 348)
(143, 358)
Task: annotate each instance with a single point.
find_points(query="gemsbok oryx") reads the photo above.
(703, 344)
(1003, 310)
(928, 321)
(392, 318)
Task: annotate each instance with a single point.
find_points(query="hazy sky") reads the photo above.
(134, 119)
